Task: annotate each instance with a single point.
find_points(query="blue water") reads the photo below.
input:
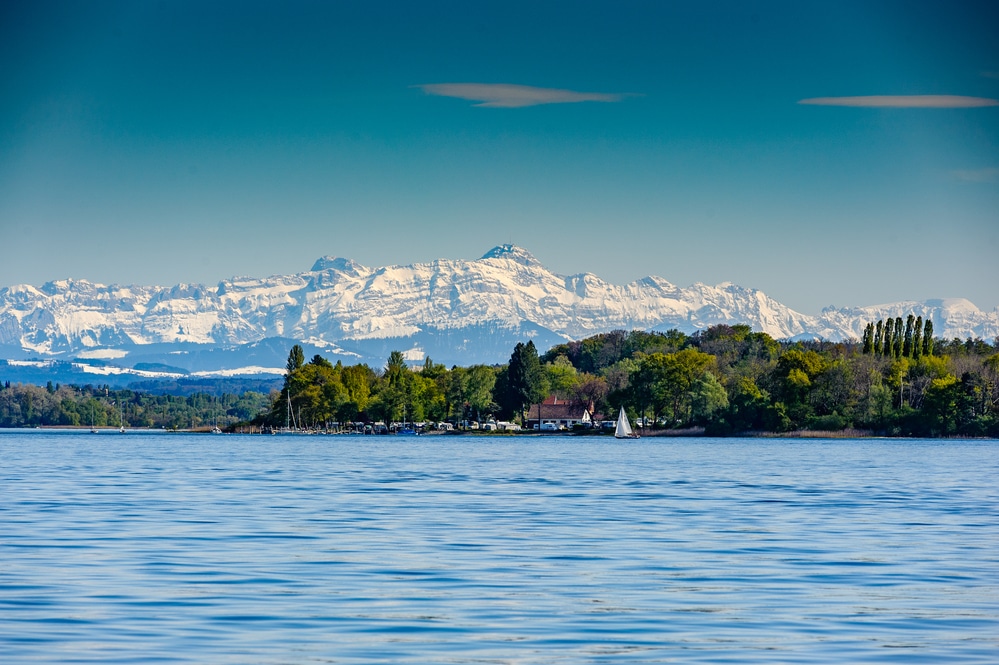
(250, 549)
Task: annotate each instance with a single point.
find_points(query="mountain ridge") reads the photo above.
(456, 310)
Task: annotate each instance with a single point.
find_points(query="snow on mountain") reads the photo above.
(952, 317)
(458, 311)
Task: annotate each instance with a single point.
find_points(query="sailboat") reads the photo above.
(290, 426)
(623, 429)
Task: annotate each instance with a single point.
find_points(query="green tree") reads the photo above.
(456, 393)
(751, 409)
(396, 369)
(868, 339)
(928, 338)
(907, 341)
(561, 377)
(875, 406)
(940, 405)
(481, 380)
(525, 378)
(917, 339)
(879, 338)
(708, 397)
(393, 401)
(357, 380)
(664, 381)
(793, 377)
(425, 400)
(296, 358)
(897, 334)
(889, 341)
(319, 361)
(974, 404)
(833, 391)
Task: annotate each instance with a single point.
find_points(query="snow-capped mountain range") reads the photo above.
(456, 311)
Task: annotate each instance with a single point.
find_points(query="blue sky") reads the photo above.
(161, 142)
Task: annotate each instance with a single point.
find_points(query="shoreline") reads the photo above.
(692, 433)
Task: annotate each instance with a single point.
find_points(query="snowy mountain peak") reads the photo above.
(513, 253)
(456, 311)
(337, 263)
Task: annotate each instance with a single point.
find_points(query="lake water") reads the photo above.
(145, 547)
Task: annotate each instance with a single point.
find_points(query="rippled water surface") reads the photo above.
(216, 549)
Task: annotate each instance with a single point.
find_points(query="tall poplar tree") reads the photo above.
(879, 337)
(889, 338)
(868, 339)
(917, 338)
(896, 343)
(907, 342)
(928, 338)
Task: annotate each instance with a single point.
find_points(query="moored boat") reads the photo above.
(623, 428)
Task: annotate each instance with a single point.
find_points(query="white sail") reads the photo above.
(623, 429)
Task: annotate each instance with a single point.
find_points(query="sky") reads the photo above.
(828, 154)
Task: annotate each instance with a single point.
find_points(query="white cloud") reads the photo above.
(904, 101)
(977, 175)
(507, 95)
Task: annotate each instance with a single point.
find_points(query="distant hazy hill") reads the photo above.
(458, 312)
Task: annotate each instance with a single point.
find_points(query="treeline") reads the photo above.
(898, 381)
(101, 406)
(317, 393)
(887, 339)
(726, 379)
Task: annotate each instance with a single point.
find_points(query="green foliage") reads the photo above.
(868, 339)
(897, 335)
(468, 392)
(830, 423)
(794, 374)
(34, 406)
(664, 381)
(707, 397)
(727, 378)
(907, 340)
(889, 340)
(296, 358)
(890, 383)
(595, 354)
(525, 379)
(940, 405)
(834, 390)
(560, 377)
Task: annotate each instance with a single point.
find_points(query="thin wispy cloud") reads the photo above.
(991, 75)
(977, 175)
(508, 95)
(904, 101)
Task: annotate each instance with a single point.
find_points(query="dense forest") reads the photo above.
(101, 406)
(897, 381)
